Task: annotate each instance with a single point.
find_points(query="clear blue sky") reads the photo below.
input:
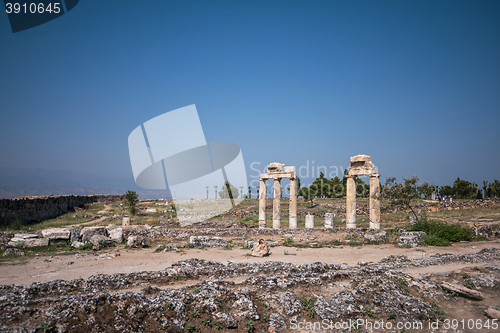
(416, 85)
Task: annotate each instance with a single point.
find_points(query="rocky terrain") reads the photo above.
(198, 295)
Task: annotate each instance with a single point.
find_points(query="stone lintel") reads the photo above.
(363, 172)
(278, 175)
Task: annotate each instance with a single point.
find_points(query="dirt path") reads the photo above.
(43, 269)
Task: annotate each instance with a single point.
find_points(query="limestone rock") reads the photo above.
(136, 241)
(205, 241)
(74, 235)
(14, 252)
(227, 319)
(100, 240)
(25, 236)
(484, 231)
(380, 235)
(77, 244)
(249, 243)
(463, 291)
(260, 249)
(492, 313)
(88, 232)
(115, 233)
(15, 242)
(408, 241)
(56, 233)
(33, 242)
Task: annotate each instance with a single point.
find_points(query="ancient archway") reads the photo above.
(362, 166)
(277, 171)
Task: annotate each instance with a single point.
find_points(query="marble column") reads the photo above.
(292, 220)
(350, 205)
(262, 204)
(277, 204)
(309, 221)
(374, 202)
(329, 218)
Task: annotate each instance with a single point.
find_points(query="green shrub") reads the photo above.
(442, 234)
(16, 225)
(434, 240)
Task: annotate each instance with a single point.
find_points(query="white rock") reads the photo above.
(56, 233)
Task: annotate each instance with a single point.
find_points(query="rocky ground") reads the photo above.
(197, 295)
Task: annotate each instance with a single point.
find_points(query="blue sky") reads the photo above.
(416, 85)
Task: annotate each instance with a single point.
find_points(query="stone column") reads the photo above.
(277, 204)
(262, 204)
(309, 221)
(292, 220)
(350, 205)
(329, 220)
(374, 202)
(125, 221)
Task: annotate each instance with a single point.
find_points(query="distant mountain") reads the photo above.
(35, 182)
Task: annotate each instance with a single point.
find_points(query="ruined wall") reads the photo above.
(37, 209)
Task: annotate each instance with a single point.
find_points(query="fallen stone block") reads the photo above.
(25, 236)
(34, 242)
(136, 241)
(14, 252)
(492, 313)
(77, 244)
(260, 249)
(408, 241)
(463, 291)
(74, 235)
(99, 240)
(419, 234)
(14, 242)
(378, 236)
(206, 241)
(115, 233)
(56, 233)
(88, 232)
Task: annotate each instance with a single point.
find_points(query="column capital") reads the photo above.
(375, 176)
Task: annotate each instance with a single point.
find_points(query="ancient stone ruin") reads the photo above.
(362, 166)
(278, 171)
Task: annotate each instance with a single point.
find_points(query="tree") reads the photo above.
(446, 190)
(131, 197)
(336, 188)
(485, 186)
(463, 189)
(229, 190)
(402, 194)
(426, 189)
(308, 193)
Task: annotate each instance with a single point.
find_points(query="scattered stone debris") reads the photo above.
(205, 241)
(269, 295)
(136, 241)
(34, 242)
(11, 251)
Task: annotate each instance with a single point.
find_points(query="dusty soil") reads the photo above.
(68, 267)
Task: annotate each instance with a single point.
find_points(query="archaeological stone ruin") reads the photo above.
(362, 166)
(276, 172)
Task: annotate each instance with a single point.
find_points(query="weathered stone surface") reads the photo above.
(74, 235)
(378, 236)
(115, 233)
(33, 242)
(492, 313)
(15, 242)
(419, 234)
(126, 221)
(56, 233)
(25, 236)
(77, 244)
(408, 241)
(227, 319)
(99, 240)
(483, 230)
(350, 203)
(260, 249)
(37, 209)
(136, 241)
(309, 222)
(88, 232)
(329, 220)
(463, 291)
(206, 241)
(14, 252)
